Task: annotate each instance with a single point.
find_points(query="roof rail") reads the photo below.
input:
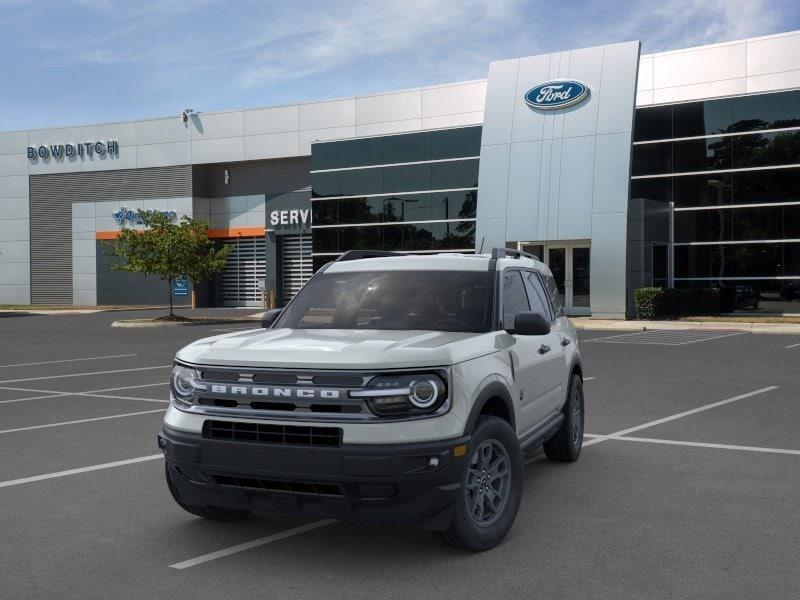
(511, 253)
(359, 254)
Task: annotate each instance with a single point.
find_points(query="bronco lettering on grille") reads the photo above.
(277, 392)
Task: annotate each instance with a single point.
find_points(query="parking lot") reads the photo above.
(688, 485)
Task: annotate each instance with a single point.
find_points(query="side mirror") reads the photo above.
(270, 316)
(531, 323)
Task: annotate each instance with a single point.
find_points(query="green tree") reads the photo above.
(168, 249)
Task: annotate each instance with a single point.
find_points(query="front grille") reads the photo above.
(277, 485)
(351, 407)
(272, 434)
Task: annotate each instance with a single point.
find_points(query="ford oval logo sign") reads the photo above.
(556, 94)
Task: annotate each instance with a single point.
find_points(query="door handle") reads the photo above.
(544, 349)
(565, 341)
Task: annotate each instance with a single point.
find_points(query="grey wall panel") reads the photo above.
(260, 177)
(582, 171)
(125, 184)
(51, 198)
(523, 186)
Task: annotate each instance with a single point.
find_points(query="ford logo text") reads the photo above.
(556, 94)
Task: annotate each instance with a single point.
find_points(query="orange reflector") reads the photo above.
(459, 451)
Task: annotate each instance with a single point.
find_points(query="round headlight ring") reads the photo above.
(424, 394)
(183, 380)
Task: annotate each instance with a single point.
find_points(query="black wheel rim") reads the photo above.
(488, 483)
(576, 417)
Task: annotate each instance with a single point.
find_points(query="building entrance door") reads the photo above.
(571, 267)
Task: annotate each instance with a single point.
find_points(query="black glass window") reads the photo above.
(738, 260)
(407, 300)
(454, 205)
(407, 148)
(653, 124)
(515, 298)
(702, 190)
(701, 118)
(325, 212)
(325, 184)
(407, 178)
(759, 150)
(766, 111)
(653, 189)
(455, 143)
(456, 174)
(374, 197)
(730, 115)
(774, 185)
(355, 153)
(325, 156)
(652, 159)
(702, 155)
(360, 210)
(325, 239)
(719, 189)
(734, 224)
(360, 181)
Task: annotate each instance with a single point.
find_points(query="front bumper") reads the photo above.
(407, 483)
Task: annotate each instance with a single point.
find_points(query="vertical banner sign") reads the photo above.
(180, 286)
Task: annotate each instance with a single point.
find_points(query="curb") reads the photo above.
(782, 328)
(134, 324)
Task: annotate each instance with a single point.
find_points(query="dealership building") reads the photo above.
(619, 170)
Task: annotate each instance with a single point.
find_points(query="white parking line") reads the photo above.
(85, 374)
(68, 472)
(667, 337)
(602, 438)
(706, 445)
(66, 360)
(131, 414)
(253, 544)
(589, 378)
(792, 346)
(90, 393)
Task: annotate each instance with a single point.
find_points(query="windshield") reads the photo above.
(430, 300)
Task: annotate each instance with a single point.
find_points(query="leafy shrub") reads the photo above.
(662, 303)
(648, 302)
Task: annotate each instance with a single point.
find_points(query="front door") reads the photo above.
(535, 358)
(570, 264)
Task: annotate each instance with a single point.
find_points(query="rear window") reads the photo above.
(400, 300)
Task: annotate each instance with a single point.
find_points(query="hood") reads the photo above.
(338, 348)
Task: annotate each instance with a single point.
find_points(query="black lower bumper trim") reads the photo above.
(411, 483)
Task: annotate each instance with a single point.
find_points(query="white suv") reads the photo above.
(401, 388)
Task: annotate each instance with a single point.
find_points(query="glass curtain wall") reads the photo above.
(414, 192)
(732, 168)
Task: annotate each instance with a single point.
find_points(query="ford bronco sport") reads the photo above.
(403, 388)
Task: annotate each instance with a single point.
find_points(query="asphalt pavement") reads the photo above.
(687, 486)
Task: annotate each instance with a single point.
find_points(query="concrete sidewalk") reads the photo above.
(622, 325)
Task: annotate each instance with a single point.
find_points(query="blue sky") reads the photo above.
(90, 61)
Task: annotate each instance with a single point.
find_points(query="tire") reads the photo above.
(215, 513)
(566, 444)
(495, 440)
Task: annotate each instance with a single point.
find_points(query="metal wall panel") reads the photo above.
(51, 198)
(259, 177)
(562, 174)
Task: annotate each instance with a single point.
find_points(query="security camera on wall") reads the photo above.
(185, 114)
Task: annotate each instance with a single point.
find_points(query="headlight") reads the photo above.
(404, 395)
(184, 382)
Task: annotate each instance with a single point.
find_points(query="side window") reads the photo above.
(515, 299)
(555, 297)
(536, 293)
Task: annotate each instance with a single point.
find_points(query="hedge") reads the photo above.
(663, 303)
